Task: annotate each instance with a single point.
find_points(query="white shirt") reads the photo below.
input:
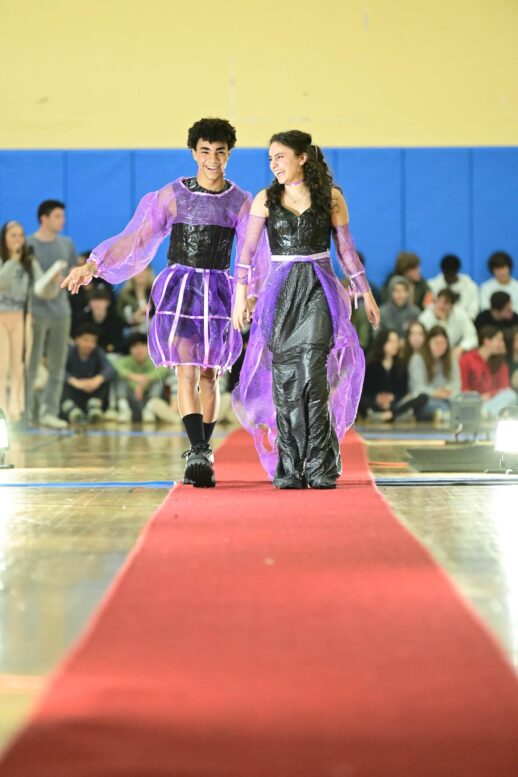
(464, 286)
(489, 287)
(459, 327)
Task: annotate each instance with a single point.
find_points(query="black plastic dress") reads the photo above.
(300, 342)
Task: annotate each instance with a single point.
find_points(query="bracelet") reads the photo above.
(92, 264)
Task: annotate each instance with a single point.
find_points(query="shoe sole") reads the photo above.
(200, 476)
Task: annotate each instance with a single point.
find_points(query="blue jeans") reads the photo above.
(427, 412)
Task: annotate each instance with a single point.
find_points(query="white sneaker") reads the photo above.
(148, 417)
(53, 422)
(111, 414)
(161, 410)
(124, 412)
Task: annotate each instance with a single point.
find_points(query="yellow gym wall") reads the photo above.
(123, 74)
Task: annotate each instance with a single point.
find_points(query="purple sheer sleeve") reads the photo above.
(123, 256)
(349, 260)
(253, 256)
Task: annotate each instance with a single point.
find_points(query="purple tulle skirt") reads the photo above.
(191, 319)
(253, 396)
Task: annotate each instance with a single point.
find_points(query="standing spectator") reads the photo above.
(19, 271)
(409, 266)
(133, 300)
(500, 314)
(399, 311)
(512, 357)
(100, 313)
(87, 378)
(414, 341)
(460, 328)
(140, 386)
(464, 287)
(500, 266)
(484, 370)
(51, 317)
(434, 372)
(385, 389)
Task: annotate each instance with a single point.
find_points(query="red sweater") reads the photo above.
(476, 375)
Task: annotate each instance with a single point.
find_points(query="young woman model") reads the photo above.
(302, 375)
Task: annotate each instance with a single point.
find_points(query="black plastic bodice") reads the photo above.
(204, 246)
(289, 234)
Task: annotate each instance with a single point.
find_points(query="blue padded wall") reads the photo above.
(429, 200)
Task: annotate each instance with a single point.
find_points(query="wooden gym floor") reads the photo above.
(76, 510)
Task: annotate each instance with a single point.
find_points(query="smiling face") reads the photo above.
(285, 164)
(211, 158)
(14, 238)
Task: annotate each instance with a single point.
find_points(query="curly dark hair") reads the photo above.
(27, 252)
(317, 175)
(213, 130)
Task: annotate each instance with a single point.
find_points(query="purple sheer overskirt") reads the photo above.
(191, 323)
(253, 396)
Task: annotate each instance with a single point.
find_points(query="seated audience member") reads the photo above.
(104, 316)
(385, 387)
(464, 287)
(88, 375)
(460, 328)
(79, 301)
(434, 372)
(139, 387)
(398, 311)
(133, 300)
(485, 370)
(512, 357)
(500, 314)
(414, 341)
(500, 266)
(409, 266)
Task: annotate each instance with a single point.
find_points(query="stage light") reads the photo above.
(4, 441)
(506, 441)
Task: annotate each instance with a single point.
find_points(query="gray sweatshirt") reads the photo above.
(48, 252)
(14, 286)
(419, 383)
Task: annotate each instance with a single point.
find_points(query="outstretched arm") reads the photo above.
(349, 259)
(129, 252)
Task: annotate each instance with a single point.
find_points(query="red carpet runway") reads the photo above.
(256, 633)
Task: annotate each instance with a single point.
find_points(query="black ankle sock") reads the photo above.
(194, 427)
(208, 429)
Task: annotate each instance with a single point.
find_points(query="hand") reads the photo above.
(241, 314)
(383, 400)
(371, 309)
(79, 276)
(138, 392)
(138, 316)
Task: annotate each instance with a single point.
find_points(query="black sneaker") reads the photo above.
(198, 467)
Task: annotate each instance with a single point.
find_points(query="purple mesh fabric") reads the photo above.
(192, 323)
(253, 261)
(253, 396)
(192, 319)
(349, 260)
